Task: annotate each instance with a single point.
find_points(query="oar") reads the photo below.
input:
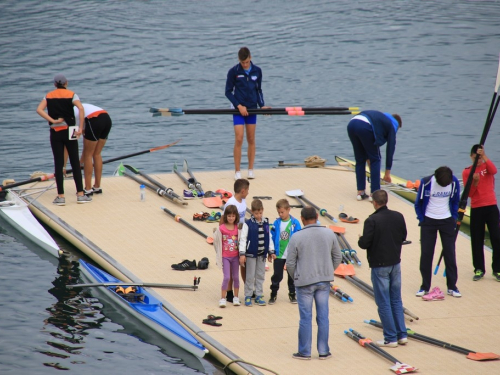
(167, 190)
(146, 285)
(398, 368)
(465, 194)
(161, 192)
(177, 218)
(257, 112)
(340, 233)
(49, 176)
(192, 178)
(470, 353)
(299, 193)
(235, 111)
(345, 295)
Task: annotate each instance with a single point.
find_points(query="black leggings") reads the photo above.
(57, 141)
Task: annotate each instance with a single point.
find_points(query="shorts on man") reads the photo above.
(244, 120)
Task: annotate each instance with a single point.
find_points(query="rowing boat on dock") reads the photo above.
(143, 306)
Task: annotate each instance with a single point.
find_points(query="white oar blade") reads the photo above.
(497, 83)
(294, 193)
(403, 368)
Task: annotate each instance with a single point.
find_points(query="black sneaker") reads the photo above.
(185, 265)
(229, 296)
(272, 300)
(325, 356)
(292, 297)
(301, 356)
(96, 190)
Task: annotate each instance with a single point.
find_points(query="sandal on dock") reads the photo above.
(211, 322)
(348, 219)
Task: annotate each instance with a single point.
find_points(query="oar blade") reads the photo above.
(294, 193)
(403, 368)
(483, 356)
(337, 229)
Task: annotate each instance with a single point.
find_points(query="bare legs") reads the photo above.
(239, 132)
(92, 161)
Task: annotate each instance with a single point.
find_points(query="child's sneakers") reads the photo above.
(222, 303)
(236, 301)
(292, 297)
(454, 293)
(260, 301)
(190, 194)
(248, 301)
(272, 300)
(421, 293)
(435, 295)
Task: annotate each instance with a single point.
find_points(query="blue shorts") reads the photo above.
(244, 120)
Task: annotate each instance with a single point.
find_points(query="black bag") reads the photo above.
(203, 263)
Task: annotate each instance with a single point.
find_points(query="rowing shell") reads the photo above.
(16, 212)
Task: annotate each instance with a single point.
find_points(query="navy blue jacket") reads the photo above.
(424, 194)
(252, 243)
(384, 128)
(245, 89)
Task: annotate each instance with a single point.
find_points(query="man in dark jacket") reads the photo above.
(383, 235)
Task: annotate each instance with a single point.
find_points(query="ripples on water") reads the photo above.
(432, 62)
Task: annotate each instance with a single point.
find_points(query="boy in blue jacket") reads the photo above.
(283, 229)
(254, 246)
(436, 206)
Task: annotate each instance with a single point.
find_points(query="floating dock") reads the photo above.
(137, 241)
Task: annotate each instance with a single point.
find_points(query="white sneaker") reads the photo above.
(237, 175)
(251, 175)
(236, 301)
(222, 303)
(387, 344)
(403, 341)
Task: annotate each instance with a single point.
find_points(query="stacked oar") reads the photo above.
(288, 111)
(469, 353)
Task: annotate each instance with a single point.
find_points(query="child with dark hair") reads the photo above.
(484, 212)
(255, 245)
(226, 250)
(437, 211)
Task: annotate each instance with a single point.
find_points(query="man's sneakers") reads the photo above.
(272, 300)
(454, 293)
(185, 265)
(435, 295)
(403, 341)
(83, 199)
(293, 298)
(421, 293)
(386, 344)
(363, 196)
(301, 356)
(325, 356)
(478, 275)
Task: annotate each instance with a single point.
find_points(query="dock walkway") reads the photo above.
(145, 241)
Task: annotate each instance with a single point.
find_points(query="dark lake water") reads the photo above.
(433, 62)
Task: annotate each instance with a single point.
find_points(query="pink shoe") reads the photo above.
(434, 295)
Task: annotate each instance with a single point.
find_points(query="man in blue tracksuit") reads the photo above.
(244, 91)
(368, 131)
(436, 206)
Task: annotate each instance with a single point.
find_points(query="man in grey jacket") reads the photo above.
(313, 255)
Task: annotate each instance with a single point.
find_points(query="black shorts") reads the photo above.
(97, 127)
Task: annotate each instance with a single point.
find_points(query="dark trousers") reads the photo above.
(57, 141)
(363, 144)
(479, 217)
(428, 235)
(278, 269)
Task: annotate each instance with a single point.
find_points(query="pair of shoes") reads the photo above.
(214, 217)
(203, 263)
(236, 301)
(190, 194)
(201, 216)
(387, 344)
(435, 295)
(325, 356)
(248, 301)
(185, 265)
(96, 190)
(229, 296)
(292, 297)
(83, 199)
(88, 192)
(454, 293)
(496, 275)
(222, 303)
(478, 275)
(251, 175)
(272, 300)
(237, 175)
(301, 356)
(362, 196)
(348, 219)
(403, 341)
(260, 301)
(60, 201)
(421, 293)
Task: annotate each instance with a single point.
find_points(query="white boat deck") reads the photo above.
(146, 241)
